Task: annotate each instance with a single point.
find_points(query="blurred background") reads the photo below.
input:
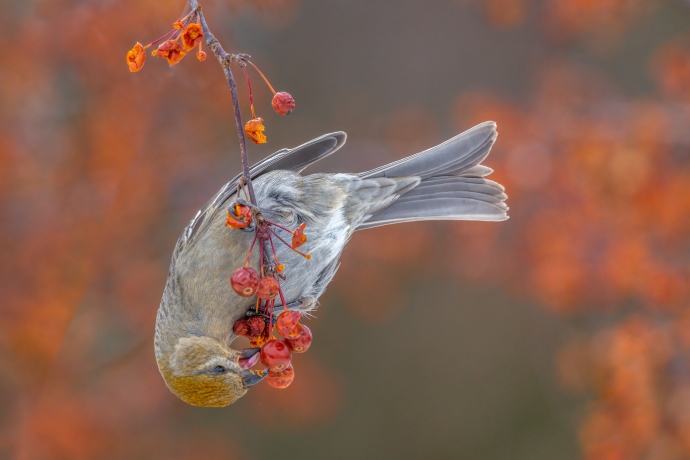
(563, 333)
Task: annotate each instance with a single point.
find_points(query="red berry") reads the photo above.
(276, 355)
(283, 103)
(301, 343)
(268, 288)
(241, 327)
(256, 326)
(245, 281)
(281, 379)
(287, 322)
(294, 332)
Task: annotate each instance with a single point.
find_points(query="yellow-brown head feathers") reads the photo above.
(204, 372)
(208, 390)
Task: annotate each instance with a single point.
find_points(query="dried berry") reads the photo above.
(287, 321)
(239, 216)
(241, 327)
(283, 103)
(257, 325)
(254, 129)
(301, 343)
(281, 379)
(298, 237)
(200, 55)
(136, 57)
(245, 281)
(276, 355)
(172, 51)
(268, 288)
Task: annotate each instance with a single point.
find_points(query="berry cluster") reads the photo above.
(247, 282)
(276, 354)
(186, 34)
(282, 103)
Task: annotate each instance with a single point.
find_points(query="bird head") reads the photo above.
(204, 372)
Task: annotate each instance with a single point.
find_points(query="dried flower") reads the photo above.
(254, 129)
(239, 216)
(172, 51)
(192, 35)
(299, 238)
(283, 103)
(136, 57)
(257, 342)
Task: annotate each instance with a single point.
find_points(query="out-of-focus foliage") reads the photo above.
(606, 180)
(101, 170)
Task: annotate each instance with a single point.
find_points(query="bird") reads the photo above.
(194, 323)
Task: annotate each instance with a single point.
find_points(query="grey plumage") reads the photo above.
(442, 183)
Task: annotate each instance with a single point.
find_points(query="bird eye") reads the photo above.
(219, 370)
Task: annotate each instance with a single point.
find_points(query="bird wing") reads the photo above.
(295, 159)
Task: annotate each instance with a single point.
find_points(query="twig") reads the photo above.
(225, 61)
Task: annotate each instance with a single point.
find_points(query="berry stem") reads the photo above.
(251, 248)
(272, 303)
(261, 255)
(281, 227)
(225, 61)
(167, 35)
(159, 39)
(262, 76)
(249, 85)
(273, 248)
(282, 297)
(306, 256)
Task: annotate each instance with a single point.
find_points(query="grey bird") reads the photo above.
(194, 325)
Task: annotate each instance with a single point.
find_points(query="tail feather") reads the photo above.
(477, 171)
(452, 185)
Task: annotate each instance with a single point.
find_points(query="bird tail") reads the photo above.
(445, 182)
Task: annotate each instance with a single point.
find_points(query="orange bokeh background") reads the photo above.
(561, 333)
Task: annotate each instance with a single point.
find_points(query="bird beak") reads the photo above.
(248, 357)
(251, 377)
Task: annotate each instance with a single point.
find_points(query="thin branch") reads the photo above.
(225, 61)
